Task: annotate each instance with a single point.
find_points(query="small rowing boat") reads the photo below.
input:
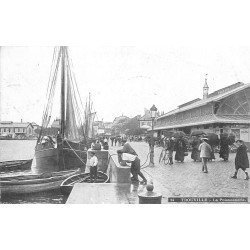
(67, 185)
(24, 184)
(7, 166)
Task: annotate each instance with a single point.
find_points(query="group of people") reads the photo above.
(99, 144)
(116, 140)
(195, 144)
(223, 144)
(171, 144)
(241, 158)
(203, 151)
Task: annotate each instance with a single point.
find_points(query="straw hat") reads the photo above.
(204, 138)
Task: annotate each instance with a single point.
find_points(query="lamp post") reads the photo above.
(153, 111)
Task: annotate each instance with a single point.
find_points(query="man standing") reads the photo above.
(205, 153)
(151, 144)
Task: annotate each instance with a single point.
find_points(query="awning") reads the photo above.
(234, 119)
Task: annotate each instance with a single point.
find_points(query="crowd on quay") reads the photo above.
(202, 150)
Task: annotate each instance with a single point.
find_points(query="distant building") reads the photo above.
(99, 128)
(120, 119)
(56, 123)
(225, 110)
(35, 126)
(146, 120)
(107, 128)
(16, 129)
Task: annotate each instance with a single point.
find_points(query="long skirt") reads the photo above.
(212, 156)
(195, 155)
(179, 155)
(224, 152)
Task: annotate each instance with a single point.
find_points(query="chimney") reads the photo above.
(205, 89)
(21, 120)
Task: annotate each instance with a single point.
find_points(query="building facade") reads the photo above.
(224, 111)
(146, 122)
(16, 129)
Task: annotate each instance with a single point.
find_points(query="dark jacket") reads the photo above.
(128, 149)
(170, 145)
(241, 158)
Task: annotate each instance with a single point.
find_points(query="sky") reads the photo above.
(122, 80)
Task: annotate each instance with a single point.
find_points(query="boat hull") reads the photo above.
(68, 184)
(53, 159)
(17, 165)
(33, 183)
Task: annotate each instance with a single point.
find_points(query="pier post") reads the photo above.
(150, 197)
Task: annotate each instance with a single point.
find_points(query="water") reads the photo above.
(22, 150)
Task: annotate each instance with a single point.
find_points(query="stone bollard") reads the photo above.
(149, 197)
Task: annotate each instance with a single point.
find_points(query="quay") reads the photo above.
(104, 193)
(177, 180)
(120, 190)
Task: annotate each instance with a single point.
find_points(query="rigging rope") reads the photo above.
(75, 153)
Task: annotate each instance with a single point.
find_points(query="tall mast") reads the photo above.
(63, 92)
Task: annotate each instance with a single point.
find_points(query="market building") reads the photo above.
(226, 110)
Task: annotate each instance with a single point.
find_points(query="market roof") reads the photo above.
(215, 96)
(209, 119)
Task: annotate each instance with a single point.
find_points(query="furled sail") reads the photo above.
(72, 114)
(91, 122)
(63, 145)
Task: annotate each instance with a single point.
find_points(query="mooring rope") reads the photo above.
(75, 153)
(141, 165)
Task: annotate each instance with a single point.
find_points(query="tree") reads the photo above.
(132, 126)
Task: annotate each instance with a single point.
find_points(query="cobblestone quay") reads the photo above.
(187, 180)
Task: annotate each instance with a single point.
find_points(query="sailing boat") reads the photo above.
(68, 148)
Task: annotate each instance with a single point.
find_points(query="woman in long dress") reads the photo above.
(224, 148)
(195, 143)
(180, 148)
(241, 159)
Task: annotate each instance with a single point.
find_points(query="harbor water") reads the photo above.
(22, 150)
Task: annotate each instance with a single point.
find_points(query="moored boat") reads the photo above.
(68, 184)
(65, 145)
(7, 166)
(23, 184)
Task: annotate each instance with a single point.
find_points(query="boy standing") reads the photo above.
(205, 153)
(93, 161)
(241, 159)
